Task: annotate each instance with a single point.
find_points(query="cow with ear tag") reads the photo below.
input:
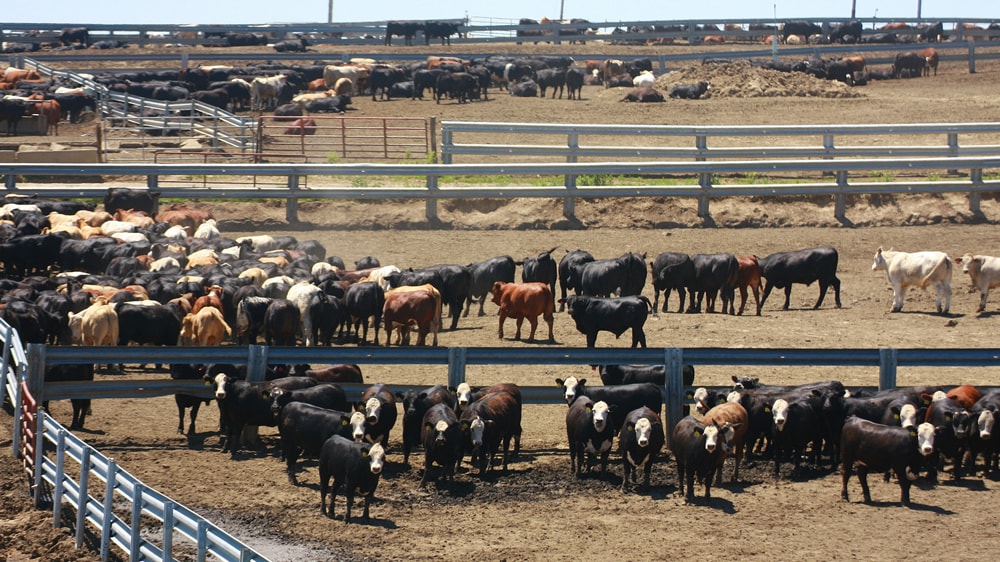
(357, 466)
(699, 450)
(379, 408)
(590, 432)
(640, 441)
(869, 446)
(441, 435)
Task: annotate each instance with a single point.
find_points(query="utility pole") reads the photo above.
(562, 3)
(329, 12)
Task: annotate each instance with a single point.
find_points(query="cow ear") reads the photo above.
(364, 453)
(697, 433)
(689, 395)
(265, 395)
(428, 425)
(208, 382)
(767, 409)
(399, 395)
(630, 427)
(947, 418)
(359, 406)
(735, 378)
(465, 424)
(590, 408)
(560, 383)
(581, 382)
(913, 432)
(344, 421)
(720, 399)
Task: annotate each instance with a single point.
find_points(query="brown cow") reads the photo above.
(181, 215)
(749, 276)
(337, 373)
(212, 298)
(316, 85)
(524, 300)
(206, 328)
(930, 55)
(420, 305)
(611, 68)
(966, 395)
(138, 218)
(52, 112)
(302, 126)
(734, 415)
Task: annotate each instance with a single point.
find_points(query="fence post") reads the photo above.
(430, 206)
(569, 202)
(60, 474)
(135, 537)
(35, 355)
(84, 497)
(953, 149)
(456, 366)
(109, 498)
(257, 363)
(972, 56)
(168, 530)
(39, 454)
(673, 361)
(705, 180)
(432, 142)
(840, 201)
(975, 198)
(292, 203)
(888, 358)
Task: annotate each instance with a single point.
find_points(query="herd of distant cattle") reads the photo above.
(130, 273)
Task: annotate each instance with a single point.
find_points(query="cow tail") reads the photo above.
(930, 276)
(649, 305)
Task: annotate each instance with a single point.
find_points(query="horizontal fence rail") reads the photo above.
(838, 186)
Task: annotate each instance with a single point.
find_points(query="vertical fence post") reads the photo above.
(257, 363)
(135, 538)
(673, 361)
(39, 454)
(109, 498)
(705, 180)
(972, 56)
(840, 200)
(60, 475)
(430, 206)
(975, 198)
(202, 540)
(456, 366)
(569, 202)
(888, 358)
(168, 530)
(432, 151)
(292, 203)
(83, 500)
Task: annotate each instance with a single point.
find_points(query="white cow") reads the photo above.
(305, 296)
(916, 269)
(264, 91)
(645, 79)
(984, 272)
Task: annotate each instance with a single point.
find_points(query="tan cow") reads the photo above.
(97, 325)
(984, 272)
(419, 305)
(206, 328)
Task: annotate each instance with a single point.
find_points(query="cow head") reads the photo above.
(701, 400)
(643, 430)
(219, 382)
(376, 458)
(440, 432)
(357, 423)
(497, 291)
(279, 398)
(571, 388)
(779, 413)
(474, 429)
(599, 415)
(925, 438)
(734, 397)
(970, 264)
(984, 422)
(745, 383)
(463, 395)
(879, 262)
(711, 435)
(372, 410)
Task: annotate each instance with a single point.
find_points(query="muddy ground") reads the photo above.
(538, 510)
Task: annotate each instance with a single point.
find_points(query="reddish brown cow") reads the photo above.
(302, 126)
(52, 112)
(749, 276)
(337, 373)
(138, 218)
(212, 298)
(855, 63)
(420, 305)
(524, 300)
(181, 215)
(734, 415)
(930, 55)
(966, 395)
(317, 85)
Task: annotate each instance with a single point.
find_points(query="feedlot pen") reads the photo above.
(330, 139)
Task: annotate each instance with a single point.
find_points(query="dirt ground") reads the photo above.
(539, 510)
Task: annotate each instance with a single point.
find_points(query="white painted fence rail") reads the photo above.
(708, 173)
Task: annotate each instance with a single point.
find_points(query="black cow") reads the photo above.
(329, 104)
(218, 97)
(908, 65)
(72, 105)
(614, 375)
(804, 29)
(126, 198)
(401, 90)
(365, 300)
(441, 435)
(455, 288)
(153, 324)
(589, 431)
(407, 29)
(641, 439)
(11, 111)
(870, 446)
(281, 322)
(327, 395)
(484, 274)
(297, 45)
(796, 423)
(672, 270)
(847, 32)
(240, 404)
(457, 85)
(782, 269)
(184, 371)
(952, 424)
(31, 254)
(109, 44)
(441, 29)
(356, 466)
(415, 405)
(381, 79)
(569, 272)
(574, 83)
(593, 315)
(624, 276)
(689, 91)
(524, 88)
(288, 112)
(244, 39)
(643, 95)
(715, 274)
(424, 79)
(72, 373)
(700, 451)
(540, 269)
(379, 407)
(554, 78)
(250, 313)
(305, 427)
(623, 398)
(489, 421)
(72, 35)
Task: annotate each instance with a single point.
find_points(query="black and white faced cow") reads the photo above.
(699, 450)
(442, 438)
(357, 466)
(622, 399)
(379, 408)
(590, 432)
(869, 446)
(640, 441)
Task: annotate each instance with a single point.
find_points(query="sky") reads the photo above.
(302, 11)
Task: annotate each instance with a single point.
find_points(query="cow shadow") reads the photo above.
(975, 485)
(719, 504)
(913, 505)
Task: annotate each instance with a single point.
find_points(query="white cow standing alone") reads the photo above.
(984, 272)
(916, 269)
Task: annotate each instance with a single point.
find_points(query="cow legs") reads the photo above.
(768, 287)
(743, 299)
(517, 334)
(548, 320)
(638, 336)
(503, 317)
(788, 296)
(898, 296)
(945, 292)
(845, 477)
(982, 300)
(863, 478)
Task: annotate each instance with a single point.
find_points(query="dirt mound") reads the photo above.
(740, 80)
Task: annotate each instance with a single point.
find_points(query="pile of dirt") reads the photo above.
(741, 80)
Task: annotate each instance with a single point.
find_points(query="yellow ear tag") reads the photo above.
(913, 432)
(364, 454)
(895, 416)
(208, 383)
(689, 396)
(767, 410)
(631, 427)
(697, 433)
(947, 418)
(590, 409)
(344, 421)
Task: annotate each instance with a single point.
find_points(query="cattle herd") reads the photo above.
(132, 273)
